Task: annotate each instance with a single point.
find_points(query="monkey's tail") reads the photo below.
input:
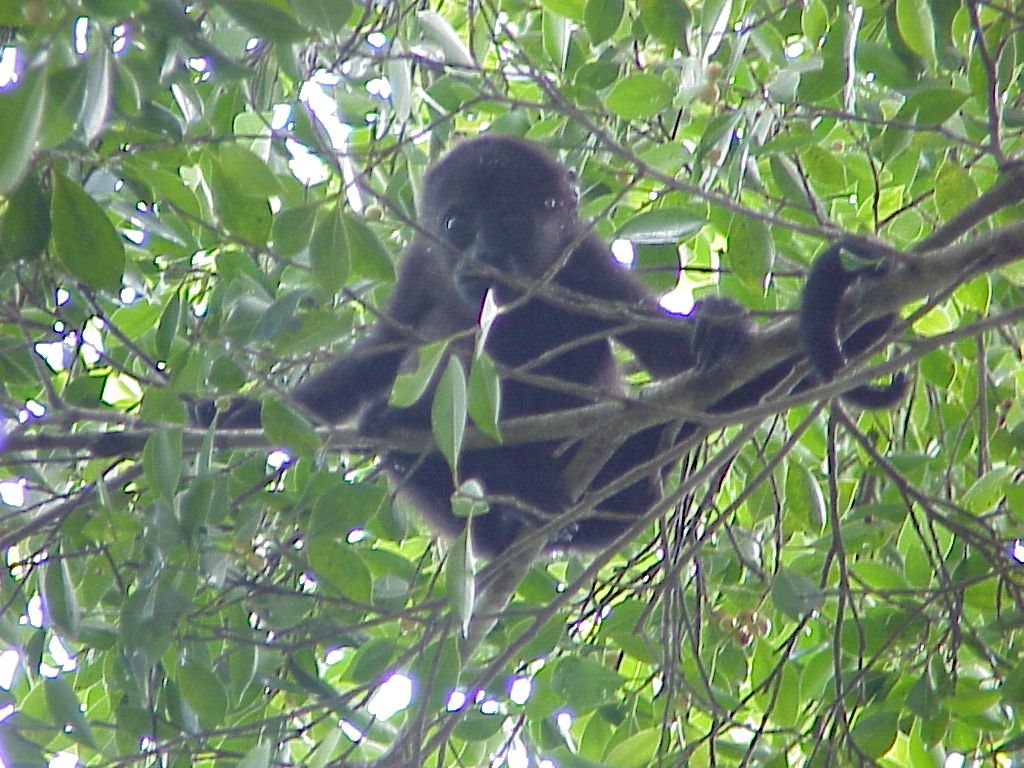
(823, 292)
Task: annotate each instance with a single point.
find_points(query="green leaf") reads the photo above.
(923, 699)
(585, 682)
(556, 32)
(163, 404)
(368, 255)
(18, 751)
(338, 567)
(460, 577)
(247, 170)
(167, 327)
(714, 21)
(917, 27)
(240, 186)
(970, 700)
(875, 733)
(976, 294)
(438, 30)
(602, 17)
(661, 226)
(787, 177)
(323, 753)
(204, 502)
(84, 240)
(409, 387)
(932, 106)
(935, 727)
(293, 228)
(823, 168)
(266, 20)
(285, 426)
(399, 73)
(372, 661)
(485, 396)
(988, 490)
(245, 312)
(59, 598)
(329, 250)
(98, 96)
(668, 21)
(788, 704)
(574, 10)
(161, 460)
(302, 666)
(895, 139)
(25, 226)
(659, 265)
(66, 710)
(936, 321)
(166, 186)
(718, 136)
(468, 500)
(478, 726)
(793, 141)
(21, 117)
(794, 594)
(323, 15)
(751, 252)
(636, 751)
(279, 317)
(923, 755)
(204, 693)
(879, 576)
(639, 96)
(835, 68)
(259, 755)
(814, 21)
(448, 412)
(882, 60)
(805, 504)
(955, 189)
(136, 318)
(342, 508)
(85, 392)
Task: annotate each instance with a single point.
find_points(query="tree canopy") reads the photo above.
(206, 199)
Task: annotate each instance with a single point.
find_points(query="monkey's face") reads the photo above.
(502, 212)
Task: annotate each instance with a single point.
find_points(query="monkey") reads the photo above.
(826, 284)
(498, 215)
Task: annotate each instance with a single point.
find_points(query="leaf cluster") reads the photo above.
(207, 199)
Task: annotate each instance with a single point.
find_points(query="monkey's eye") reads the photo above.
(458, 229)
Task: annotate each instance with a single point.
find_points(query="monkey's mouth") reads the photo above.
(473, 285)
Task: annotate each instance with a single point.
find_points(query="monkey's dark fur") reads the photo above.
(823, 292)
(499, 214)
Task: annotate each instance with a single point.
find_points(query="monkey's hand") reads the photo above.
(241, 412)
(721, 329)
(379, 418)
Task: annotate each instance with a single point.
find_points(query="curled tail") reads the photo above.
(823, 292)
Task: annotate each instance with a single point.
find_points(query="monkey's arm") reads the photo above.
(666, 343)
(363, 374)
(333, 394)
(366, 372)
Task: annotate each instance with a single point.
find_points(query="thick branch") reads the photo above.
(917, 276)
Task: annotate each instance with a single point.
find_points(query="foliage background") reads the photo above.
(843, 589)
